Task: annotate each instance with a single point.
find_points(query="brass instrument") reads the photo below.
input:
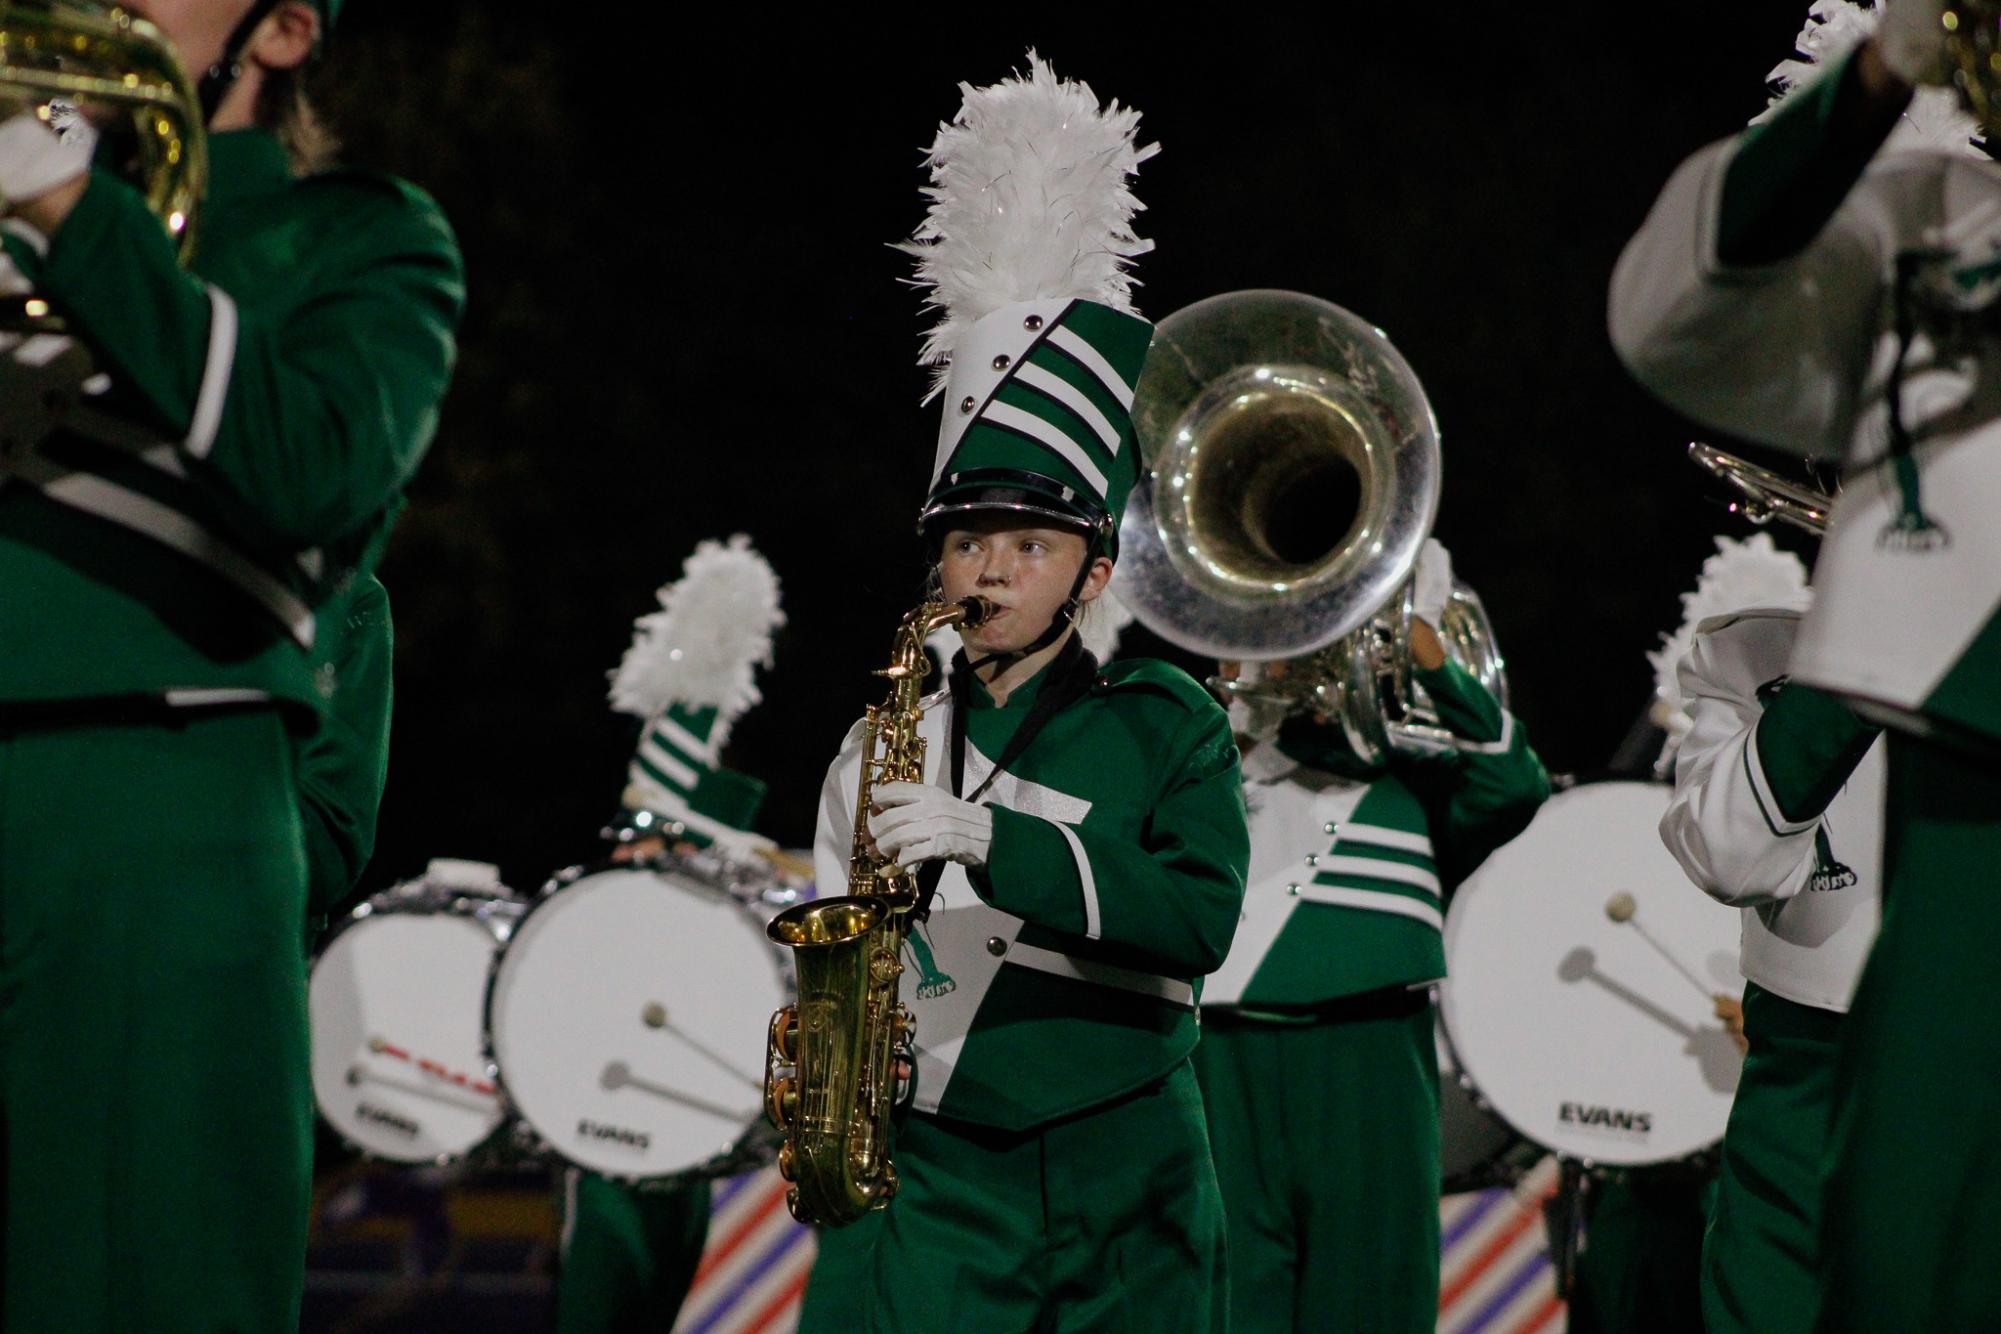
(830, 1062)
(1763, 495)
(60, 56)
(1292, 475)
(1973, 56)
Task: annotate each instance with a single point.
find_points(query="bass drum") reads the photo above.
(1582, 969)
(399, 1061)
(626, 1018)
(1476, 1149)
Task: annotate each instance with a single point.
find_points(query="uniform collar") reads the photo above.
(1019, 698)
(246, 163)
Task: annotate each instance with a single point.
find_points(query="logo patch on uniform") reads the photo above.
(931, 983)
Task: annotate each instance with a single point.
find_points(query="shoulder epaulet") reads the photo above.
(1153, 674)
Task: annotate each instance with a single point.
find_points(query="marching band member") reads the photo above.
(162, 556)
(1777, 809)
(629, 1253)
(1822, 284)
(1088, 821)
(1319, 1059)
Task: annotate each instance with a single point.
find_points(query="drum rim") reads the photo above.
(369, 910)
(755, 1145)
(1463, 1075)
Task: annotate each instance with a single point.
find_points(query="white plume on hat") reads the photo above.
(1934, 119)
(1750, 573)
(702, 648)
(1029, 200)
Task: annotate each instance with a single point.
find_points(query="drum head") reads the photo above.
(627, 1017)
(399, 1064)
(1594, 1037)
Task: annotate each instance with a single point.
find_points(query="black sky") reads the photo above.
(686, 321)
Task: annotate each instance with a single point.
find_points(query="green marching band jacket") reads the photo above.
(1349, 877)
(1066, 972)
(266, 408)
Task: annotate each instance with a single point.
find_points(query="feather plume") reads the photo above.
(1029, 199)
(1750, 573)
(1934, 118)
(703, 646)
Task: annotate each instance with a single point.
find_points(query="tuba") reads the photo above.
(830, 1059)
(61, 56)
(1291, 476)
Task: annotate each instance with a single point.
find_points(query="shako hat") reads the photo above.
(1024, 251)
(690, 673)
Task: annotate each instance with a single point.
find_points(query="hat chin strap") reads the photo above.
(220, 77)
(1065, 617)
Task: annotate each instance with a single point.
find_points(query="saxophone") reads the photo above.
(830, 1062)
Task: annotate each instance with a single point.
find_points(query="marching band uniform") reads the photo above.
(161, 566)
(344, 764)
(1778, 810)
(1799, 287)
(1055, 1170)
(629, 1253)
(1318, 1058)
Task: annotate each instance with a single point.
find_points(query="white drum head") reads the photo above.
(628, 1017)
(399, 1065)
(1593, 1037)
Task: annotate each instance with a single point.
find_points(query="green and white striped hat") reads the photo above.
(1025, 250)
(691, 673)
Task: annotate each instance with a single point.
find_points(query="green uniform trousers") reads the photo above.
(1758, 1257)
(1912, 1221)
(628, 1255)
(154, 1098)
(1640, 1269)
(1326, 1141)
(1107, 1221)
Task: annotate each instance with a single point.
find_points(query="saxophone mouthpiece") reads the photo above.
(977, 610)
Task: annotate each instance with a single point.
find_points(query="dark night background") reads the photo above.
(685, 321)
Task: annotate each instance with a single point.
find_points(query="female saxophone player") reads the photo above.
(1055, 1167)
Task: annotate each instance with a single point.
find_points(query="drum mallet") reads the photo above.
(1623, 907)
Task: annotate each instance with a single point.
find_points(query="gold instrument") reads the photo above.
(1292, 476)
(1762, 495)
(62, 57)
(830, 1062)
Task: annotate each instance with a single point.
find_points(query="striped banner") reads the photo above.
(1496, 1276)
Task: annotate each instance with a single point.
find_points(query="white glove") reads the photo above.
(34, 159)
(1911, 39)
(1433, 583)
(921, 823)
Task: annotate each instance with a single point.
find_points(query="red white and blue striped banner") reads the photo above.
(754, 1270)
(1495, 1277)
